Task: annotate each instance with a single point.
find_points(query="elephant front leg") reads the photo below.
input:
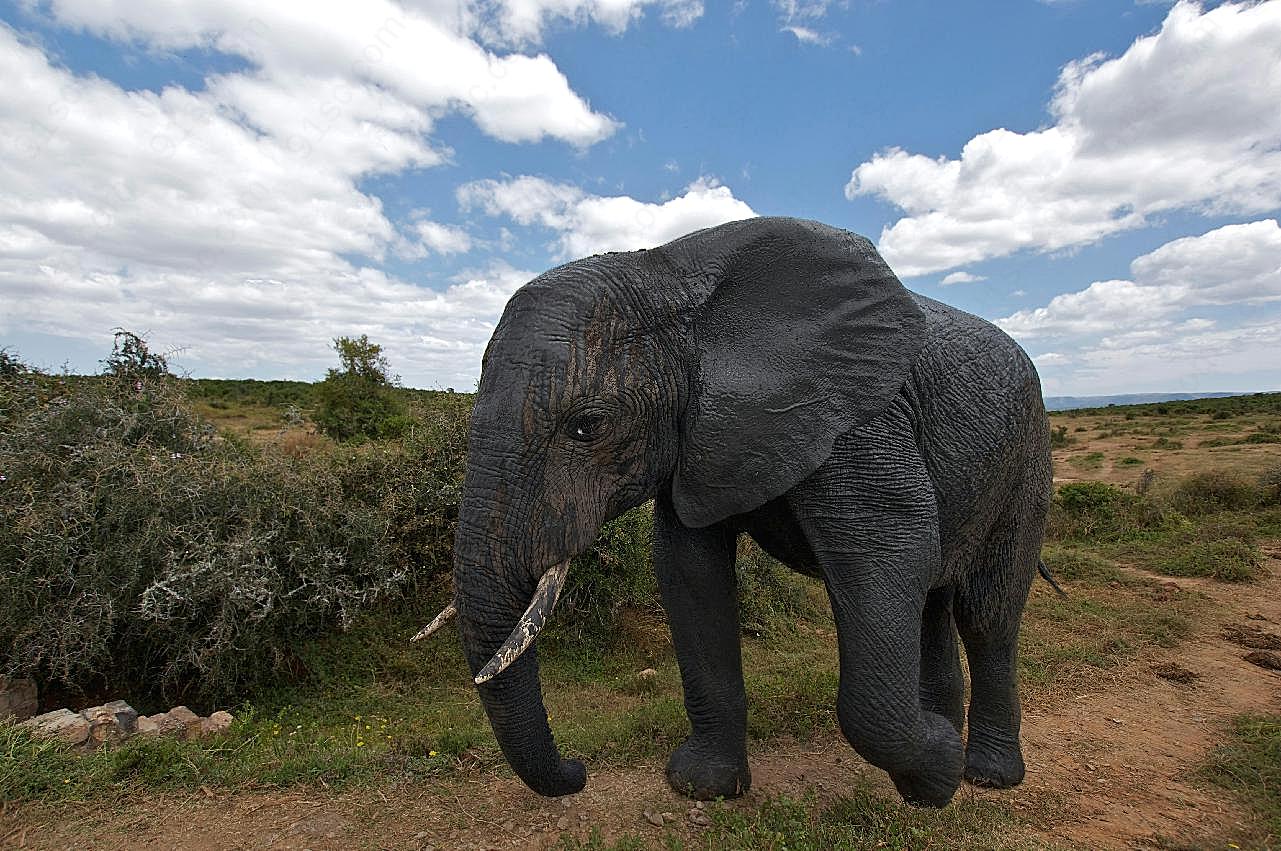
(878, 704)
(871, 523)
(695, 570)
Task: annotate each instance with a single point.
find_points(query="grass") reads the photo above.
(1087, 461)
(1249, 764)
(862, 819)
(1109, 617)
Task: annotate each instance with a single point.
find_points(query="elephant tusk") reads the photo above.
(437, 622)
(530, 624)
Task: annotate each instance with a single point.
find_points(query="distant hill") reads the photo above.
(1067, 403)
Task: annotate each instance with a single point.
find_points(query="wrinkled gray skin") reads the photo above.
(772, 377)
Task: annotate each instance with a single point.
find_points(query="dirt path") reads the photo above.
(1108, 767)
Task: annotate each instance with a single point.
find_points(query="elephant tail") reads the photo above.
(1049, 577)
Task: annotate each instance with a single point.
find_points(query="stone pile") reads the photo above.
(116, 721)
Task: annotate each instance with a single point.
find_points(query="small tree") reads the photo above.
(358, 401)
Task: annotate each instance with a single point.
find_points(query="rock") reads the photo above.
(111, 722)
(562, 823)
(18, 699)
(188, 722)
(218, 722)
(647, 674)
(698, 817)
(166, 725)
(62, 724)
(655, 819)
(1264, 659)
(668, 817)
(147, 726)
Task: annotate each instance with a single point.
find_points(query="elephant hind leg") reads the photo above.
(989, 606)
(942, 683)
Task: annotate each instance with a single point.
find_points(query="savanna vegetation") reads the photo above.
(269, 547)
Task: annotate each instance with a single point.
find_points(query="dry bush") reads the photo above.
(143, 552)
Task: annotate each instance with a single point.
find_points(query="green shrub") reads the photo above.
(1059, 437)
(615, 574)
(1270, 483)
(1096, 509)
(1211, 491)
(771, 596)
(358, 401)
(1227, 559)
(146, 554)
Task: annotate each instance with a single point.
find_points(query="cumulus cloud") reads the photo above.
(1185, 118)
(1145, 330)
(1234, 264)
(960, 278)
(229, 219)
(442, 239)
(523, 21)
(423, 64)
(590, 224)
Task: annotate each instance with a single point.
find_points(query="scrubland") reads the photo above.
(168, 540)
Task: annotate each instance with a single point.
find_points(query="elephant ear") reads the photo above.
(804, 333)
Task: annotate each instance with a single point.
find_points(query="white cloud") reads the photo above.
(590, 224)
(1195, 358)
(805, 35)
(523, 21)
(1234, 264)
(1100, 307)
(1122, 333)
(230, 220)
(1184, 119)
(800, 18)
(960, 278)
(318, 52)
(442, 239)
(1051, 359)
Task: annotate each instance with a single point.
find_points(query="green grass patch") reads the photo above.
(1109, 616)
(1228, 560)
(1250, 765)
(1087, 461)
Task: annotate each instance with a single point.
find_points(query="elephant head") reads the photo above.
(722, 365)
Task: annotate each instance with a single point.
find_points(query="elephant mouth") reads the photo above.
(527, 628)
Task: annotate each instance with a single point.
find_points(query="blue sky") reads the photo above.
(244, 182)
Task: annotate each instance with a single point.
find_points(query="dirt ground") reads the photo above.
(1109, 766)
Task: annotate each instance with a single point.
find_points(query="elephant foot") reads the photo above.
(993, 765)
(935, 781)
(704, 773)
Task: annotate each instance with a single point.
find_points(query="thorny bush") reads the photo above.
(145, 553)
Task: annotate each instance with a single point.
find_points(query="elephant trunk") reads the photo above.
(490, 601)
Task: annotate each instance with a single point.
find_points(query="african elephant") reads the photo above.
(769, 376)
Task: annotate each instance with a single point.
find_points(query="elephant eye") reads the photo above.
(586, 427)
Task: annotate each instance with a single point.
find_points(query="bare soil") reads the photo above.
(1109, 766)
